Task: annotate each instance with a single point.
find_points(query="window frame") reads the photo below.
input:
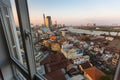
(23, 18)
(29, 73)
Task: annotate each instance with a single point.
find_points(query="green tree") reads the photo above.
(106, 77)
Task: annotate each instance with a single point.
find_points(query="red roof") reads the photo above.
(53, 58)
(113, 49)
(55, 66)
(93, 73)
(55, 62)
(99, 40)
(55, 75)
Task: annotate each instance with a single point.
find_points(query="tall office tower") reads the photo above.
(44, 19)
(48, 21)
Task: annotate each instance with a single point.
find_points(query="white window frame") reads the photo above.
(30, 72)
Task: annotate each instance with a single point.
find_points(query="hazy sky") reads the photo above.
(75, 12)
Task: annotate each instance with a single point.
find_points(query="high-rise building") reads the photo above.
(48, 21)
(44, 19)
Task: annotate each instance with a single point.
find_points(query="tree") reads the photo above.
(106, 77)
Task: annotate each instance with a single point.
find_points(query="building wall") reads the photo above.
(48, 21)
(7, 73)
(0, 77)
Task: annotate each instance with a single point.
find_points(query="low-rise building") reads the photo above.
(72, 53)
(109, 38)
(81, 60)
(93, 73)
(85, 65)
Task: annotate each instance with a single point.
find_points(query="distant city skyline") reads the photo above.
(75, 12)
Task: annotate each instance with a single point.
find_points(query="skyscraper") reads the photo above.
(44, 19)
(48, 21)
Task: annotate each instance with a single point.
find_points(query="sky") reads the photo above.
(75, 12)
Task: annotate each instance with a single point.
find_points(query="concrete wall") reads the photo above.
(7, 73)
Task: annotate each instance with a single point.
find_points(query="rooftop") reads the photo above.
(86, 65)
(53, 58)
(55, 75)
(115, 43)
(94, 73)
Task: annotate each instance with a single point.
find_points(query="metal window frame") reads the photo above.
(15, 64)
(20, 67)
(5, 30)
(117, 72)
(8, 46)
(39, 77)
(6, 3)
(23, 18)
(24, 22)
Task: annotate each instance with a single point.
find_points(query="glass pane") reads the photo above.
(71, 41)
(14, 35)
